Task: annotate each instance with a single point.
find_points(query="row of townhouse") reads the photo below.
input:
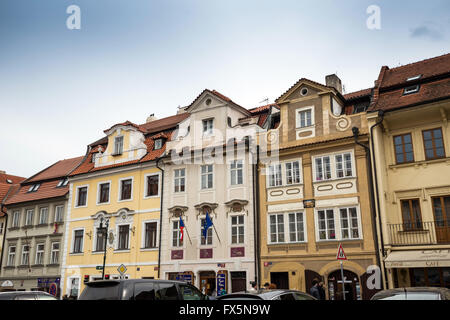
(280, 187)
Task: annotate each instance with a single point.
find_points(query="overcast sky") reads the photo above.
(60, 88)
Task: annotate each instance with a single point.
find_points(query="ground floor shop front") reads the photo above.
(50, 284)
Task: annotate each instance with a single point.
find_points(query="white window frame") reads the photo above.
(73, 242)
(77, 194)
(293, 171)
(118, 237)
(209, 129)
(358, 217)
(314, 166)
(286, 228)
(94, 245)
(119, 195)
(344, 165)
(15, 223)
(210, 230)
(172, 230)
(236, 169)
(56, 213)
(177, 180)
(231, 216)
(99, 192)
(116, 152)
(275, 175)
(40, 215)
(23, 255)
(53, 251)
(158, 144)
(333, 165)
(337, 223)
(206, 175)
(143, 235)
(146, 185)
(298, 120)
(296, 224)
(13, 262)
(26, 217)
(277, 224)
(39, 253)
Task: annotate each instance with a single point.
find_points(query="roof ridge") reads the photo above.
(420, 61)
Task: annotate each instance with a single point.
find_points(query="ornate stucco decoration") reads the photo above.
(177, 211)
(124, 215)
(236, 205)
(206, 206)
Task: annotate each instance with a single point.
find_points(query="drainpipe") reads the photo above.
(4, 236)
(256, 212)
(355, 131)
(381, 115)
(160, 214)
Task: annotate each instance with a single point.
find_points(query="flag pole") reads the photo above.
(217, 234)
(189, 237)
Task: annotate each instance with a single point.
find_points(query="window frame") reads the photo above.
(286, 227)
(206, 174)
(23, 255)
(52, 253)
(209, 131)
(77, 196)
(46, 215)
(180, 243)
(119, 193)
(337, 223)
(177, 180)
(116, 152)
(72, 251)
(9, 264)
(40, 253)
(26, 217)
(237, 226)
(298, 120)
(146, 196)
(333, 165)
(99, 192)
(144, 234)
(15, 223)
(412, 225)
(209, 241)
(236, 170)
(97, 239)
(56, 213)
(278, 182)
(434, 148)
(119, 234)
(403, 144)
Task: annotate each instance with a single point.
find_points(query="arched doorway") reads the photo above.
(351, 285)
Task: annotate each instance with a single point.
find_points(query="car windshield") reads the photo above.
(103, 291)
(413, 296)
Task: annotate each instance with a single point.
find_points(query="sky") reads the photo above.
(60, 87)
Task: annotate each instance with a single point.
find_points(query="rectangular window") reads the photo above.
(403, 148)
(344, 165)
(16, 219)
(11, 256)
(208, 127)
(349, 223)
(118, 145)
(275, 177)
(158, 144)
(78, 241)
(296, 227)
(323, 168)
(150, 235)
(25, 255)
(82, 196)
(29, 218)
(40, 254)
(276, 228)
(43, 216)
(208, 239)
(411, 89)
(236, 172)
(152, 186)
(207, 176)
(434, 144)
(180, 180)
(101, 239)
(125, 189)
(103, 193)
(59, 213)
(292, 172)
(412, 217)
(124, 235)
(304, 118)
(54, 256)
(1, 227)
(176, 241)
(237, 229)
(326, 224)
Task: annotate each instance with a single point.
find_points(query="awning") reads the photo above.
(418, 259)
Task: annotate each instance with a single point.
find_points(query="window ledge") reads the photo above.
(76, 253)
(37, 265)
(9, 267)
(30, 226)
(13, 228)
(23, 266)
(43, 224)
(122, 251)
(418, 163)
(149, 249)
(53, 265)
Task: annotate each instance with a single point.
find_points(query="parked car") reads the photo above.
(140, 289)
(289, 295)
(415, 293)
(26, 295)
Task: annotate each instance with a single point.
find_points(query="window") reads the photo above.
(150, 235)
(412, 217)
(158, 144)
(349, 223)
(327, 229)
(434, 144)
(11, 256)
(25, 255)
(43, 215)
(411, 89)
(236, 172)
(78, 241)
(1, 227)
(180, 180)
(54, 256)
(237, 229)
(208, 239)
(29, 217)
(323, 168)
(16, 219)
(124, 234)
(103, 194)
(118, 145)
(414, 78)
(152, 186)
(176, 233)
(276, 228)
(59, 213)
(144, 291)
(296, 227)
(403, 148)
(275, 177)
(343, 165)
(304, 118)
(190, 293)
(207, 127)
(34, 187)
(207, 176)
(167, 291)
(100, 244)
(82, 196)
(62, 183)
(125, 189)
(292, 172)
(40, 254)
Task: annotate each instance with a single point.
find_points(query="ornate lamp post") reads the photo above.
(106, 243)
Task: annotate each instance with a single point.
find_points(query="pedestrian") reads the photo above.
(253, 289)
(314, 291)
(321, 288)
(266, 286)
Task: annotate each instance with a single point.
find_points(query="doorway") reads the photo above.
(280, 279)
(441, 210)
(207, 282)
(238, 281)
(350, 285)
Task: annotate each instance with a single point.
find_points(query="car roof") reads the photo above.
(264, 293)
(22, 292)
(99, 282)
(437, 290)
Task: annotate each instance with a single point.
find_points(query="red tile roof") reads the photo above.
(263, 108)
(47, 190)
(126, 123)
(8, 183)
(358, 94)
(59, 169)
(163, 124)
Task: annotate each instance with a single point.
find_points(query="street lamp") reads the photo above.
(106, 242)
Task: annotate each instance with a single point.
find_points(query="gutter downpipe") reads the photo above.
(4, 236)
(160, 215)
(381, 115)
(256, 211)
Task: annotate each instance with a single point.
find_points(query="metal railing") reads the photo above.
(419, 233)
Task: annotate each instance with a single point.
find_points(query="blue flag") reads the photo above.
(207, 224)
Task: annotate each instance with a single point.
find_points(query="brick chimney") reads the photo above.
(333, 80)
(151, 118)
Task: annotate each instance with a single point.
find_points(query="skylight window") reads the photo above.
(414, 78)
(34, 187)
(411, 89)
(62, 183)
(9, 181)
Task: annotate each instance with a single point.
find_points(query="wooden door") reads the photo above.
(441, 211)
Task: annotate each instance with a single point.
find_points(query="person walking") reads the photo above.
(321, 288)
(253, 289)
(315, 291)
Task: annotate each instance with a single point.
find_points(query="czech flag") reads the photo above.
(181, 229)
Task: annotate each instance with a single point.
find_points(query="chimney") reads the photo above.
(2, 172)
(333, 80)
(151, 118)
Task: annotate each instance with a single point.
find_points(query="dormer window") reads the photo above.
(62, 183)
(414, 78)
(158, 144)
(304, 118)
(34, 187)
(411, 90)
(9, 181)
(118, 145)
(207, 127)
(94, 157)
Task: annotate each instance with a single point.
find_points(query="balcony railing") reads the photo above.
(420, 233)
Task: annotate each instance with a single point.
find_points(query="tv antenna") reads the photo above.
(266, 100)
